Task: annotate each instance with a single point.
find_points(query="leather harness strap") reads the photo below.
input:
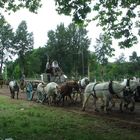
(111, 88)
(128, 83)
(94, 89)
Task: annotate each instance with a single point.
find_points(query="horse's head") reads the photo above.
(86, 81)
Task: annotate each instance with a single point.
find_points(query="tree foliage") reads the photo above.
(6, 37)
(23, 43)
(103, 48)
(14, 5)
(69, 46)
(117, 17)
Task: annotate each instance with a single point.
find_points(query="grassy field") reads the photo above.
(26, 120)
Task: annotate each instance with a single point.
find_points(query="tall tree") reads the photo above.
(117, 17)
(103, 50)
(134, 57)
(6, 36)
(23, 43)
(70, 47)
(135, 62)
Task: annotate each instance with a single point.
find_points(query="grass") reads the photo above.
(26, 120)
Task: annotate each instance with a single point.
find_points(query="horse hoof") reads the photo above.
(102, 107)
(96, 110)
(132, 109)
(83, 109)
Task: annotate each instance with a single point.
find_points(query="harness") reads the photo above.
(128, 83)
(94, 90)
(127, 93)
(110, 88)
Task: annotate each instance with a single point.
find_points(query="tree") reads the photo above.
(23, 43)
(14, 5)
(135, 63)
(134, 57)
(121, 58)
(69, 46)
(35, 62)
(117, 17)
(103, 50)
(6, 36)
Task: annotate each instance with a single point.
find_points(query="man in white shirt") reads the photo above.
(48, 70)
(55, 67)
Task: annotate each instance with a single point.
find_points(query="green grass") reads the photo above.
(26, 120)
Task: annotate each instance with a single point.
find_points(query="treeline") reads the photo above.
(35, 62)
(69, 46)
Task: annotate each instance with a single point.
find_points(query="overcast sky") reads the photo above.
(48, 19)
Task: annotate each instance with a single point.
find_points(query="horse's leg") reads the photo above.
(11, 93)
(79, 95)
(86, 97)
(17, 94)
(132, 108)
(103, 104)
(106, 99)
(71, 99)
(94, 103)
(112, 103)
(14, 94)
(121, 104)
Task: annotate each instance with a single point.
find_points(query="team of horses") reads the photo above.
(71, 90)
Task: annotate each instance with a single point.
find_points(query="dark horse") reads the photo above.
(67, 89)
(14, 88)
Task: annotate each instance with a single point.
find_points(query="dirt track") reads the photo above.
(124, 120)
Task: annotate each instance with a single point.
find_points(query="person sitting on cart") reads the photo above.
(56, 69)
(22, 77)
(48, 70)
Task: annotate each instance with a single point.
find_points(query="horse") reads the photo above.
(14, 88)
(67, 89)
(104, 91)
(82, 84)
(49, 91)
(132, 86)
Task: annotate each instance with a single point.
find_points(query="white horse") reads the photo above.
(82, 85)
(104, 91)
(14, 88)
(49, 91)
(83, 82)
(131, 85)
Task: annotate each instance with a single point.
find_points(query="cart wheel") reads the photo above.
(41, 97)
(29, 91)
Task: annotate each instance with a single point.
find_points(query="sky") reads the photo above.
(47, 19)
